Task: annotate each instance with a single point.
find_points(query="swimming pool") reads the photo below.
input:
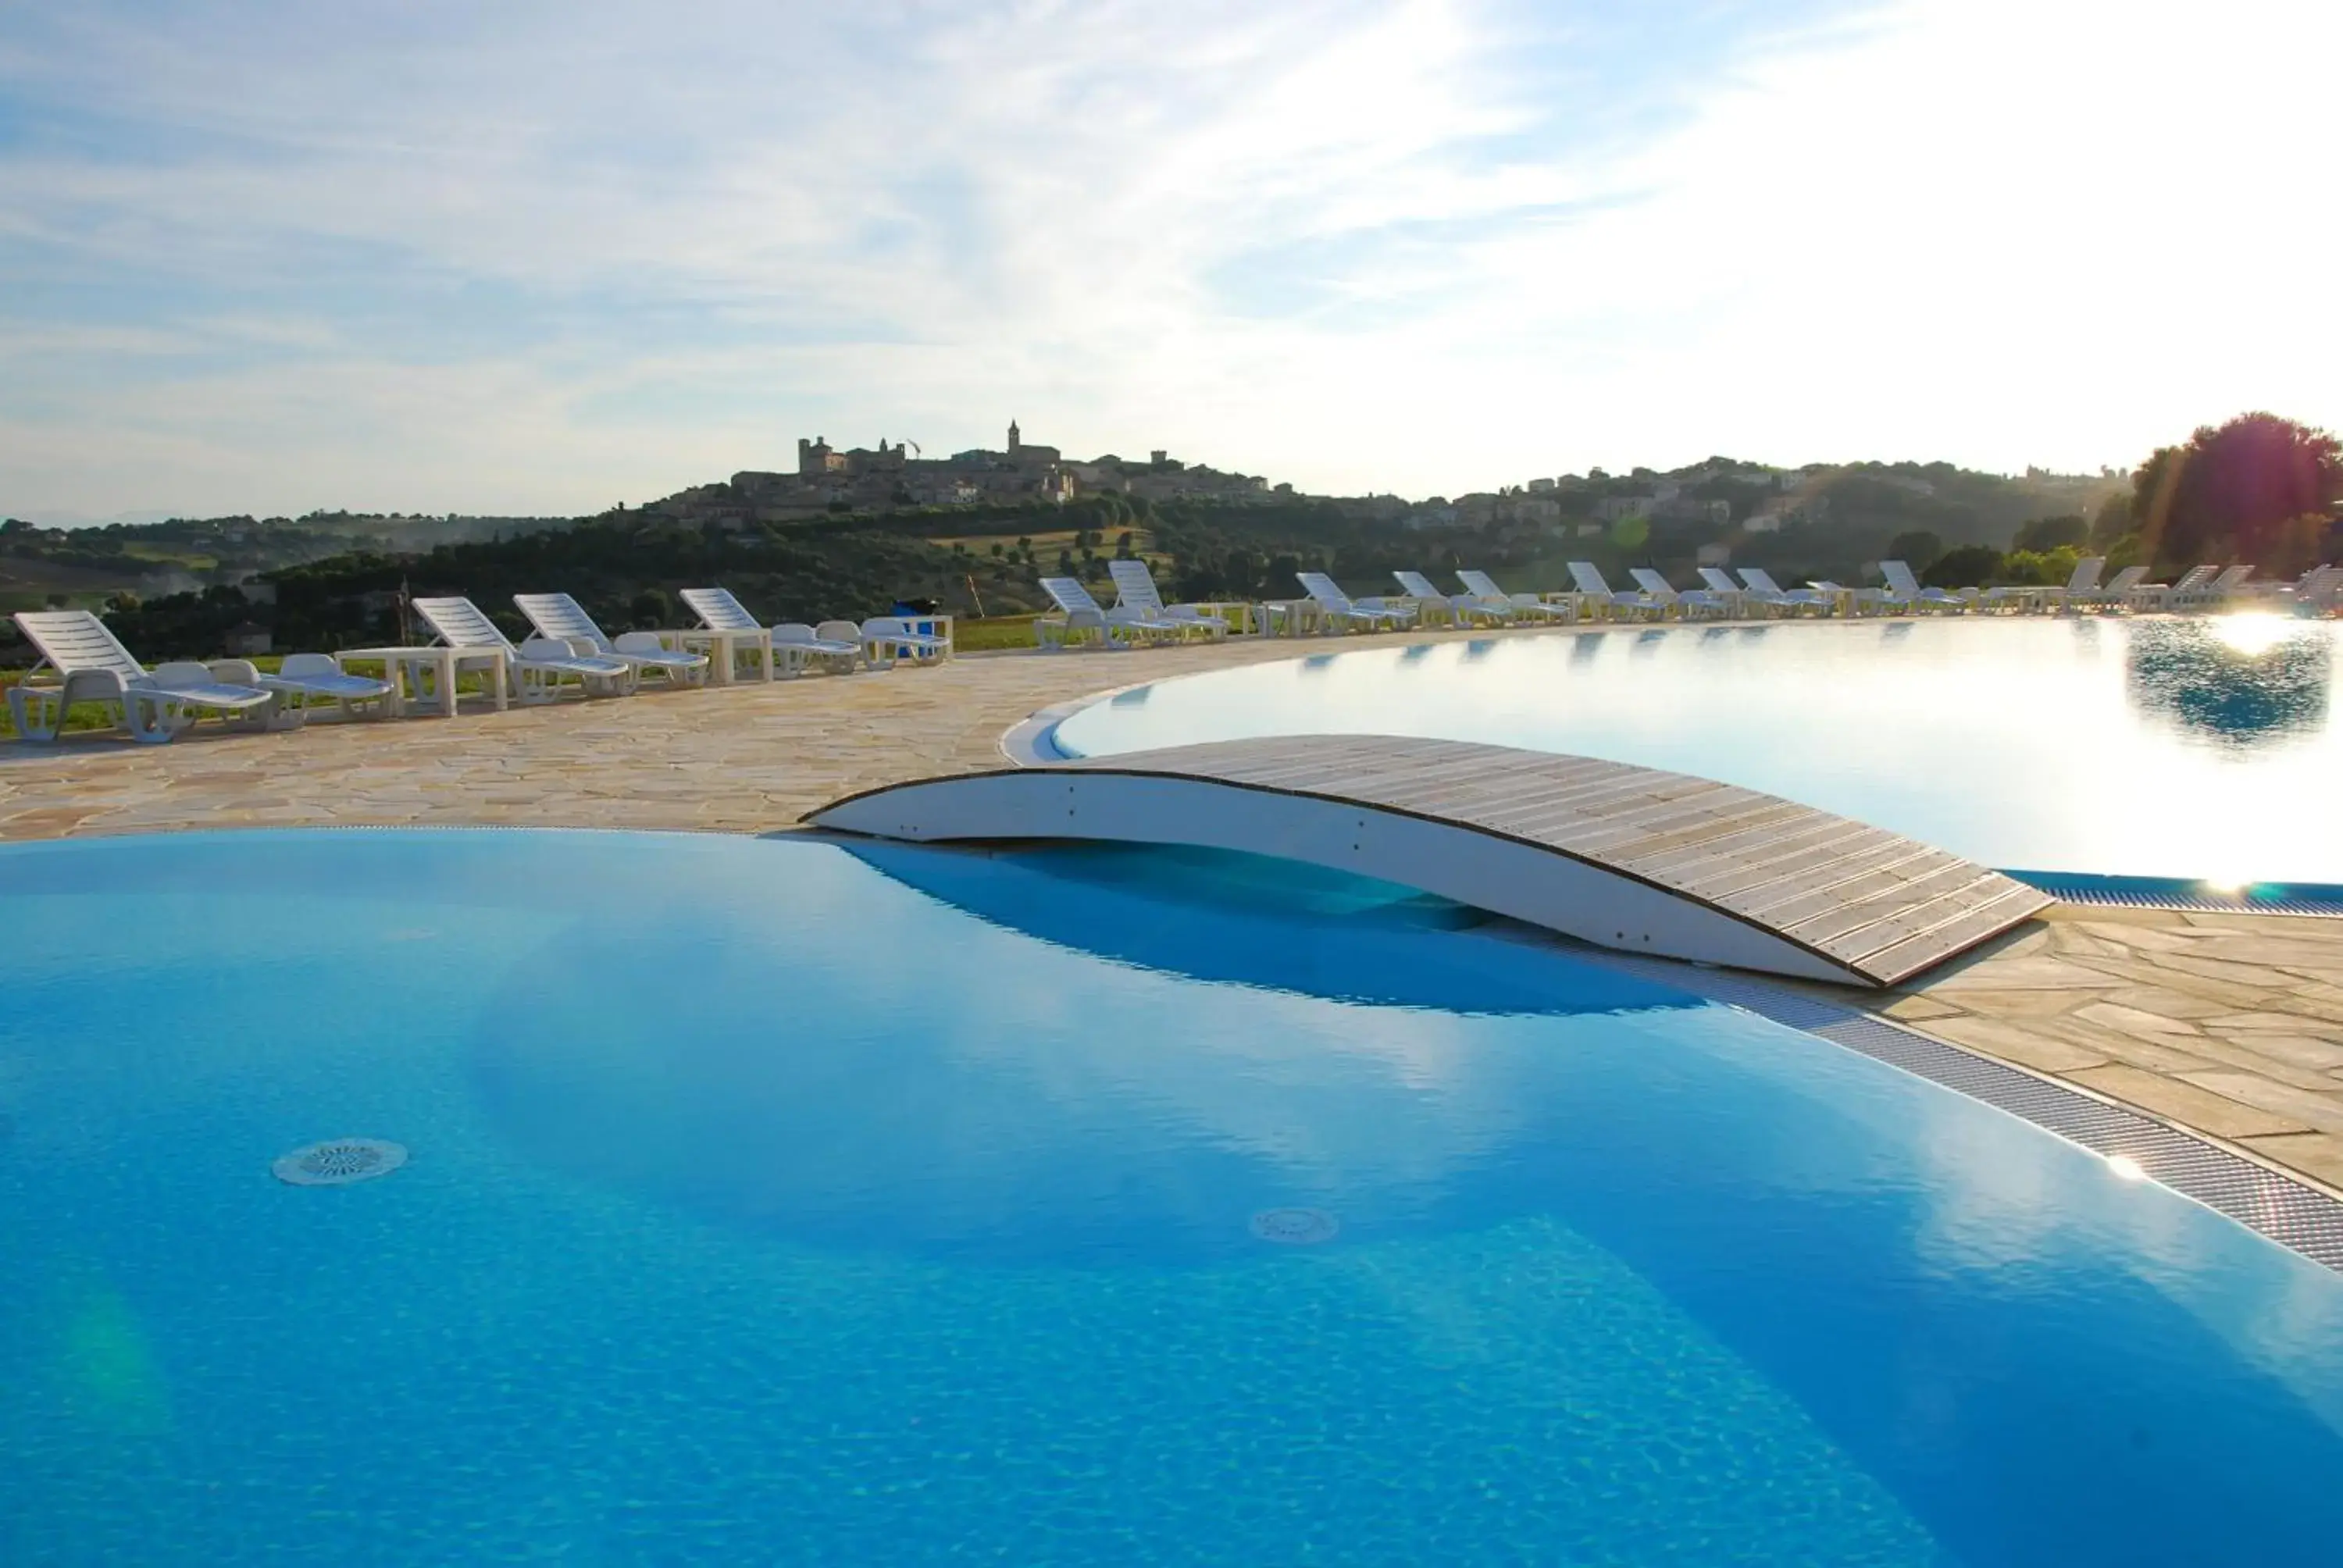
(2196, 749)
(718, 1238)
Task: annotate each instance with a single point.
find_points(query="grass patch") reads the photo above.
(972, 636)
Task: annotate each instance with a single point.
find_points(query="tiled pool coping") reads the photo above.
(2259, 1196)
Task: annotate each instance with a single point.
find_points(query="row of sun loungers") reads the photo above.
(1139, 616)
(81, 660)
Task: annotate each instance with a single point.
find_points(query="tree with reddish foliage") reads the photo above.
(2258, 490)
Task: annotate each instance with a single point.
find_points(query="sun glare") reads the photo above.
(2252, 633)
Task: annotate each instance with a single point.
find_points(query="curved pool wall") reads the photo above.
(719, 1237)
(2190, 752)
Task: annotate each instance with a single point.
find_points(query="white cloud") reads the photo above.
(556, 256)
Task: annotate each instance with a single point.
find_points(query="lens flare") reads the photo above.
(2252, 633)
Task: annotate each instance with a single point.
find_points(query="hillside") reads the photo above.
(186, 554)
(333, 581)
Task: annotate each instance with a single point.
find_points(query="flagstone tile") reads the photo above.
(2322, 1111)
(2165, 1002)
(2192, 1105)
(2302, 1063)
(1919, 1009)
(2051, 1002)
(2236, 971)
(2016, 1042)
(2128, 1020)
(2033, 972)
(2318, 1155)
(2275, 1022)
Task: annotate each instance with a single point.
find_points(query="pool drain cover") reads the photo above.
(339, 1161)
(1296, 1227)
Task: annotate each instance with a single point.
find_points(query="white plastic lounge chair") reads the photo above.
(1338, 609)
(843, 631)
(1525, 606)
(308, 685)
(1720, 582)
(1854, 600)
(2084, 583)
(727, 631)
(1594, 588)
(2084, 580)
(2301, 590)
(1784, 601)
(561, 619)
(2218, 592)
(90, 665)
(1082, 618)
(2116, 592)
(1903, 591)
(1461, 608)
(885, 638)
(1135, 589)
(538, 668)
(1690, 602)
(2163, 596)
(801, 647)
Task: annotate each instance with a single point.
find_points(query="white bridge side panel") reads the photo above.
(1540, 887)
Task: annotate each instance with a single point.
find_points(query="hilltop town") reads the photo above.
(1722, 499)
(888, 479)
(1722, 492)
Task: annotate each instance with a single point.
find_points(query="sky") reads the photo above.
(540, 258)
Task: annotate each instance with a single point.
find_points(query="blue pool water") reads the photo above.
(2200, 748)
(771, 1202)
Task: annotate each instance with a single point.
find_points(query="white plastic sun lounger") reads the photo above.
(1720, 582)
(561, 619)
(1594, 588)
(2085, 580)
(306, 685)
(801, 647)
(1484, 590)
(2117, 592)
(885, 638)
(1339, 608)
(1690, 602)
(2163, 596)
(1904, 592)
(1786, 601)
(726, 629)
(1461, 608)
(2084, 583)
(1854, 600)
(90, 665)
(1135, 591)
(539, 667)
(1082, 618)
(2214, 594)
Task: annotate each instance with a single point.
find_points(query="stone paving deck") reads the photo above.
(2229, 1025)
